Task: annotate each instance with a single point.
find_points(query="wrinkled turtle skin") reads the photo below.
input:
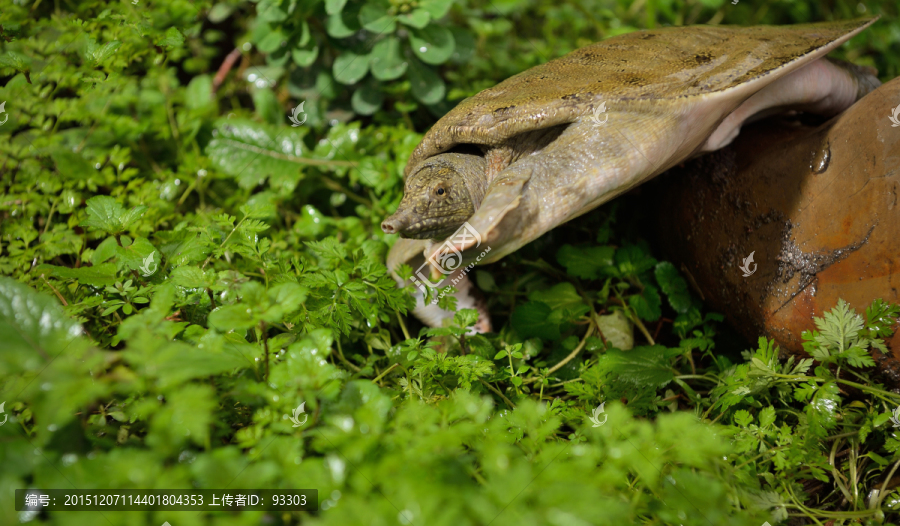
(531, 153)
(829, 230)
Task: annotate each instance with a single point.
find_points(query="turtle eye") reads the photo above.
(439, 191)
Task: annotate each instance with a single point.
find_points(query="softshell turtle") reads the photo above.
(519, 159)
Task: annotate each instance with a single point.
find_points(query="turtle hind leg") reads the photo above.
(825, 87)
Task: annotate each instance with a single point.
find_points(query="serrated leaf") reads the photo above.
(96, 275)
(253, 152)
(587, 262)
(632, 260)
(642, 366)
(822, 410)
(531, 320)
(646, 304)
(233, 317)
(172, 38)
(102, 53)
(190, 277)
(105, 213)
(674, 286)
(174, 363)
(562, 297)
(31, 323)
(465, 318)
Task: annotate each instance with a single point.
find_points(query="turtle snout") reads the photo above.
(393, 225)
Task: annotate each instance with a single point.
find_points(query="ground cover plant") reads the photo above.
(183, 269)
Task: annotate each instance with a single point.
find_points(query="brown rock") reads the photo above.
(819, 208)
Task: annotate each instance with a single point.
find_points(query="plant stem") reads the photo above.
(498, 393)
(402, 325)
(262, 330)
(571, 355)
(385, 372)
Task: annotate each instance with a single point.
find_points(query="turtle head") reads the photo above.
(440, 195)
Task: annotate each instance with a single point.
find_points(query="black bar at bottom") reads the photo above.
(167, 499)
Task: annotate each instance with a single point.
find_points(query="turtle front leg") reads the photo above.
(825, 87)
(410, 251)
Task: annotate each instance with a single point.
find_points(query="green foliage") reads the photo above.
(181, 269)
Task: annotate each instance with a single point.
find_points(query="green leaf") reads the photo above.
(96, 275)
(350, 68)
(99, 55)
(418, 18)
(674, 286)
(375, 18)
(743, 418)
(642, 366)
(646, 304)
(587, 262)
(334, 6)
(531, 320)
(342, 25)
(304, 56)
(105, 213)
(432, 44)
(632, 260)
(368, 98)
(172, 38)
(198, 95)
(822, 410)
(562, 297)
(173, 363)
(465, 318)
(426, 85)
(73, 166)
(33, 327)
(271, 41)
(436, 8)
(386, 62)
(267, 106)
(190, 276)
(617, 330)
(252, 152)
